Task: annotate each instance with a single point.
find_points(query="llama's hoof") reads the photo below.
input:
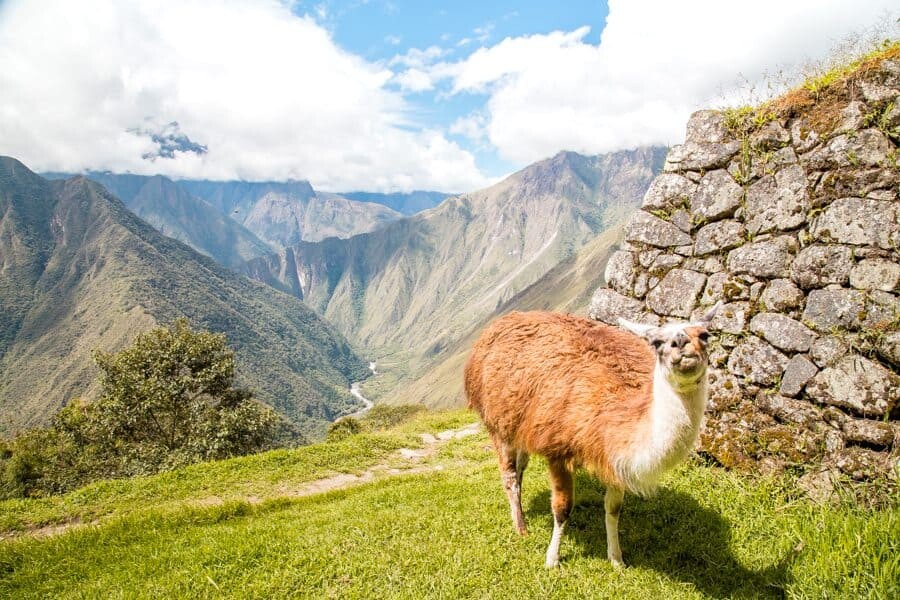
(552, 563)
(617, 564)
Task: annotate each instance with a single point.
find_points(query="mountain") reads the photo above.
(285, 213)
(79, 271)
(174, 212)
(567, 287)
(417, 285)
(236, 221)
(407, 203)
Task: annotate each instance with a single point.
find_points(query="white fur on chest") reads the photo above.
(668, 434)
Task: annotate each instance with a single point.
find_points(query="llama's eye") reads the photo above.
(656, 343)
(704, 336)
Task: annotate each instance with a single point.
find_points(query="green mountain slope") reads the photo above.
(435, 527)
(169, 208)
(284, 213)
(79, 271)
(418, 285)
(567, 287)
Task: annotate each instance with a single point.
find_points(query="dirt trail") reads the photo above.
(406, 461)
(410, 457)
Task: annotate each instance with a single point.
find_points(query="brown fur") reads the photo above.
(567, 388)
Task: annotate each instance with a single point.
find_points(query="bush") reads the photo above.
(343, 428)
(385, 416)
(379, 418)
(166, 401)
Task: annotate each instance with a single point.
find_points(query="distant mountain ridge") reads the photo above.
(285, 213)
(407, 203)
(174, 212)
(235, 221)
(79, 271)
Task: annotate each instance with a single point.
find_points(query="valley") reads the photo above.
(81, 272)
(407, 291)
(407, 294)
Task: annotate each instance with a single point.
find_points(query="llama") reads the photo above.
(582, 393)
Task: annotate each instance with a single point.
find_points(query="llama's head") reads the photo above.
(680, 347)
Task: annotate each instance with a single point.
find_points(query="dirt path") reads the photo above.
(410, 463)
(406, 461)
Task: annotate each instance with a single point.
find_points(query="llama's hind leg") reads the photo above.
(612, 501)
(561, 503)
(521, 465)
(512, 479)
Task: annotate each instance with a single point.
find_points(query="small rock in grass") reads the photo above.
(819, 484)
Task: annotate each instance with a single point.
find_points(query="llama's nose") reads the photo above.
(680, 341)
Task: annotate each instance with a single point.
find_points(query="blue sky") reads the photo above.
(385, 95)
(380, 30)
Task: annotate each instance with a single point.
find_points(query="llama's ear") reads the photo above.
(706, 319)
(636, 328)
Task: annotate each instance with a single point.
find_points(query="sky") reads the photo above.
(387, 95)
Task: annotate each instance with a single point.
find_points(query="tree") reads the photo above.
(167, 400)
(170, 399)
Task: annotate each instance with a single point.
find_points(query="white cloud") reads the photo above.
(417, 58)
(657, 61)
(414, 80)
(483, 33)
(473, 126)
(269, 94)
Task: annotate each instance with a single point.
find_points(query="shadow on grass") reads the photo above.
(670, 533)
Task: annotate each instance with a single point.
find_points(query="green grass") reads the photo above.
(842, 66)
(260, 476)
(708, 533)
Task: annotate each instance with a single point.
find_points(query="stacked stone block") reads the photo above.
(797, 231)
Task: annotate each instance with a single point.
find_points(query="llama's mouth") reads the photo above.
(687, 363)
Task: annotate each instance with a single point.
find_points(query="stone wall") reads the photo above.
(792, 219)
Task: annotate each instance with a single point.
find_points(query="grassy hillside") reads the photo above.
(78, 271)
(433, 527)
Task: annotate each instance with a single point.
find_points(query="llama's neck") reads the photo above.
(669, 429)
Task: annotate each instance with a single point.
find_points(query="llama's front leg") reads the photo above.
(561, 503)
(613, 504)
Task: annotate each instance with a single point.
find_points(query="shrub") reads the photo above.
(166, 401)
(343, 428)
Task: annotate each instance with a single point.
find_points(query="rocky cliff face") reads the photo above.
(789, 214)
